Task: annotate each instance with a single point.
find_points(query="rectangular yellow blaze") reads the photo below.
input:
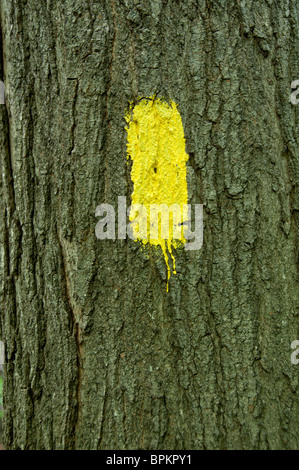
(156, 146)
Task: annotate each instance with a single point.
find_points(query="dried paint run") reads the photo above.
(156, 146)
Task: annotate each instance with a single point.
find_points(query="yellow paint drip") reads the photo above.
(156, 146)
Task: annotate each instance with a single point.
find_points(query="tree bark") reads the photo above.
(97, 354)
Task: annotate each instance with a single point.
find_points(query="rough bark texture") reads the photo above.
(98, 355)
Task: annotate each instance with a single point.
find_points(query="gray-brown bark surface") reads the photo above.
(98, 355)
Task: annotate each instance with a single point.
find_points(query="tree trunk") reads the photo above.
(97, 354)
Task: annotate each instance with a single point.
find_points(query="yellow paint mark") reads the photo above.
(156, 146)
